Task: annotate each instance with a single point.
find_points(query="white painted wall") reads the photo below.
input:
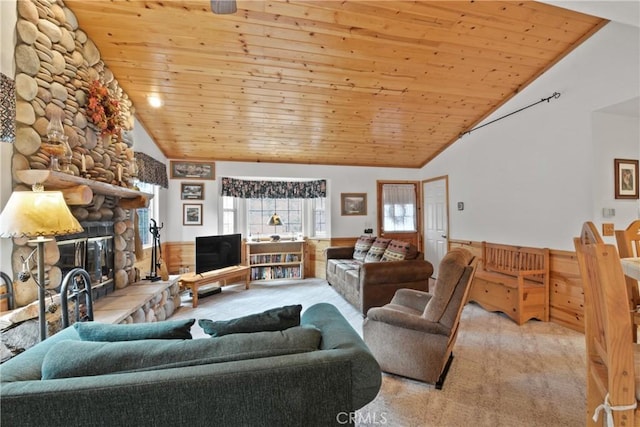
(339, 180)
(614, 137)
(535, 177)
(8, 17)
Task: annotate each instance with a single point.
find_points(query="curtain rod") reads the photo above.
(555, 95)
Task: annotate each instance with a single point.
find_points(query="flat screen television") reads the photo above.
(215, 252)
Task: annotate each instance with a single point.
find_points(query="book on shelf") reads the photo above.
(275, 272)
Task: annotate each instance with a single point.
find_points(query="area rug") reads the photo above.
(502, 374)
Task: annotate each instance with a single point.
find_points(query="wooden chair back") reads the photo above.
(608, 338)
(629, 240)
(471, 271)
(629, 247)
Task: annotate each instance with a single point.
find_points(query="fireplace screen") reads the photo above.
(93, 251)
(100, 264)
(72, 254)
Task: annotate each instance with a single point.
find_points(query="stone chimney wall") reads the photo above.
(55, 64)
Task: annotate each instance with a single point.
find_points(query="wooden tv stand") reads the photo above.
(193, 281)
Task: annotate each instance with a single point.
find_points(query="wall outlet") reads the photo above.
(607, 229)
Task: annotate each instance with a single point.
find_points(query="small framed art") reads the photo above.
(192, 170)
(353, 203)
(626, 178)
(192, 214)
(192, 191)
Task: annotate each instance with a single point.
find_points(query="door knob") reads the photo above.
(444, 236)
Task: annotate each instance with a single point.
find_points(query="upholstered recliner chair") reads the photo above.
(413, 335)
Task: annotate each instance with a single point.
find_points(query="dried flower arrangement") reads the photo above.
(103, 110)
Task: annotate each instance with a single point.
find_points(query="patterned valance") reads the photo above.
(151, 171)
(244, 189)
(7, 109)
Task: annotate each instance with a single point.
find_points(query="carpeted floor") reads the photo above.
(502, 374)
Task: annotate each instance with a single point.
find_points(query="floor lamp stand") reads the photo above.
(42, 317)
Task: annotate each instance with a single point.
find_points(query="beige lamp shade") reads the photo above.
(37, 213)
(275, 220)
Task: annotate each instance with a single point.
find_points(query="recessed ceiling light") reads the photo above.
(154, 101)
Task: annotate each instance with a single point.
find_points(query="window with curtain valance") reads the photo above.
(399, 194)
(247, 189)
(399, 207)
(151, 171)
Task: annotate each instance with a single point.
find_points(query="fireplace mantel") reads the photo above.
(53, 180)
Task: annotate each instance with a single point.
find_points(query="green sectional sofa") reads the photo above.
(311, 387)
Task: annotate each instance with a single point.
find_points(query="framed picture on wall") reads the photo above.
(353, 203)
(192, 170)
(626, 178)
(192, 214)
(192, 191)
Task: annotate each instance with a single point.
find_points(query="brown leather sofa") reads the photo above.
(373, 284)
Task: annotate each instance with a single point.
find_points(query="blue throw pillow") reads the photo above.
(168, 329)
(275, 319)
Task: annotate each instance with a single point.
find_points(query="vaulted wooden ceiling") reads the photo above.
(369, 83)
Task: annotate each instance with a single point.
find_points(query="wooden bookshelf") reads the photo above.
(276, 260)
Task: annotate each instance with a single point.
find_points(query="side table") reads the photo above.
(193, 281)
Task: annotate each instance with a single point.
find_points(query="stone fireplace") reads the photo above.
(105, 249)
(57, 65)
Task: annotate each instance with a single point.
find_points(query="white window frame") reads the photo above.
(154, 207)
(241, 214)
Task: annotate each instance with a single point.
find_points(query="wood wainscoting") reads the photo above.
(566, 299)
(180, 255)
(315, 262)
(175, 255)
(566, 296)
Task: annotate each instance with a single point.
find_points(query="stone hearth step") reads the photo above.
(139, 302)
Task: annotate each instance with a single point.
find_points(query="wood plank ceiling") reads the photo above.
(368, 83)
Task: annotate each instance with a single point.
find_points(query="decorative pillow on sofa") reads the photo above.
(362, 247)
(275, 319)
(377, 250)
(396, 251)
(167, 329)
(72, 358)
(412, 253)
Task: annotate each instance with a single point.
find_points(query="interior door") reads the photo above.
(436, 219)
(400, 216)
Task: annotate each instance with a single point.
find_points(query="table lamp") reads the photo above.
(38, 214)
(275, 221)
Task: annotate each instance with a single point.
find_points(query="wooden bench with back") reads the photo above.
(513, 280)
